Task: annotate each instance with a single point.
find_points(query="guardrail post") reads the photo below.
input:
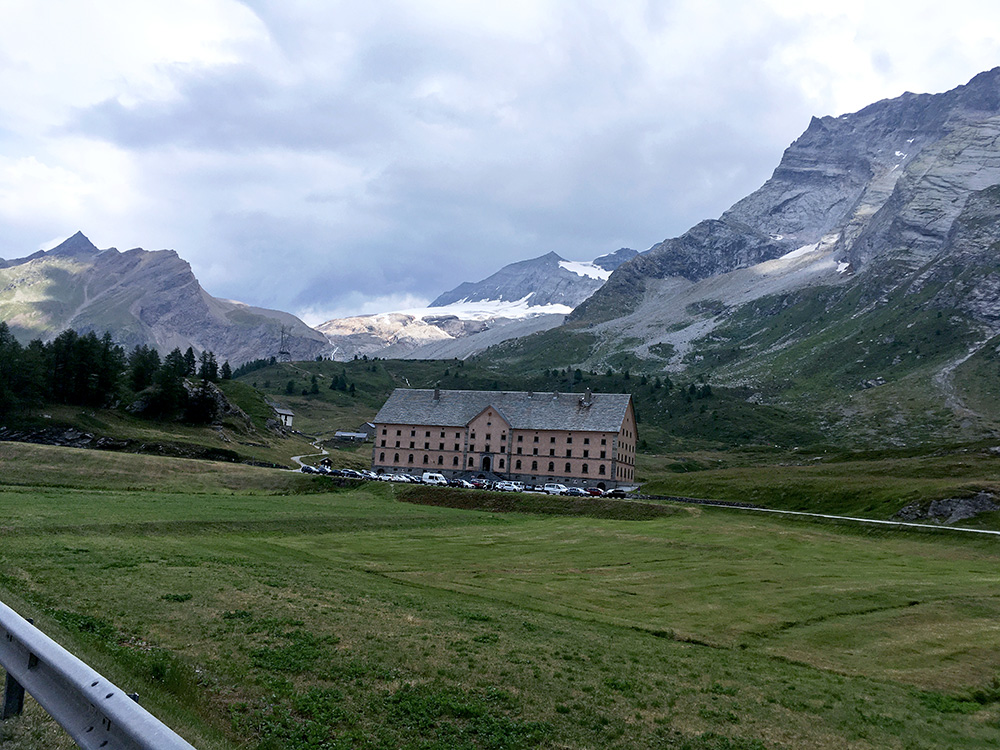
(13, 698)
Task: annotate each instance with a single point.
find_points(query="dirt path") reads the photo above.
(322, 452)
(945, 381)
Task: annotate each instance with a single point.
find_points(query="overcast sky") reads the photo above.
(331, 158)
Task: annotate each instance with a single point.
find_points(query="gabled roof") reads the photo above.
(523, 410)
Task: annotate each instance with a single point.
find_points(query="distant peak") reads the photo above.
(78, 244)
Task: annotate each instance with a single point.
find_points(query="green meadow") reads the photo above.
(260, 608)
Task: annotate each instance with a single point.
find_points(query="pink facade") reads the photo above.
(489, 444)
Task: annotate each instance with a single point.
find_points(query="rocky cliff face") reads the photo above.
(861, 282)
(141, 297)
(888, 183)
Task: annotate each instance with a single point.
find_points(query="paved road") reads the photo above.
(932, 526)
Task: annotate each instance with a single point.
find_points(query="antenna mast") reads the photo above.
(283, 354)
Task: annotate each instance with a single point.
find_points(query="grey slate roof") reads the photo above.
(522, 409)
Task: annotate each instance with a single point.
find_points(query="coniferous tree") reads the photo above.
(209, 368)
(190, 361)
(175, 363)
(143, 363)
(10, 369)
(227, 372)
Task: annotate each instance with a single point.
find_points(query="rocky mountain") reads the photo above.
(861, 281)
(141, 297)
(546, 280)
(519, 299)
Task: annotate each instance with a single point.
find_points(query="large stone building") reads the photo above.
(576, 439)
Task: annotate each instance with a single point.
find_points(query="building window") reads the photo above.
(517, 464)
(520, 438)
(454, 461)
(600, 469)
(426, 459)
(410, 459)
(457, 447)
(487, 448)
(397, 444)
(501, 463)
(534, 451)
(442, 433)
(503, 436)
(604, 454)
(383, 444)
(604, 441)
(384, 430)
(586, 454)
(519, 451)
(440, 446)
(552, 466)
(395, 459)
(472, 447)
(534, 465)
(411, 444)
(569, 438)
(536, 438)
(471, 462)
(413, 433)
(472, 436)
(427, 434)
(569, 453)
(458, 435)
(552, 439)
(427, 446)
(552, 451)
(487, 436)
(440, 460)
(381, 458)
(568, 468)
(586, 441)
(584, 469)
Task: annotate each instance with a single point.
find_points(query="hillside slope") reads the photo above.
(851, 285)
(142, 298)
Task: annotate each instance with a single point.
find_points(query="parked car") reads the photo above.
(616, 492)
(507, 486)
(575, 492)
(460, 483)
(595, 491)
(431, 477)
(479, 484)
(307, 469)
(554, 489)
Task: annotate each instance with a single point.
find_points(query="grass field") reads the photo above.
(255, 608)
(875, 487)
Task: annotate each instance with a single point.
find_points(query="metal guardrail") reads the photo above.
(95, 712)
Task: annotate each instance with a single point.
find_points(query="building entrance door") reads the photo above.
(487, 463)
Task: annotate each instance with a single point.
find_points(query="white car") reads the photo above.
(554, 489)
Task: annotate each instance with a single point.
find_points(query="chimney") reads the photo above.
(437, 394)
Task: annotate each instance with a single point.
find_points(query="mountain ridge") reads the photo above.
(142, 297)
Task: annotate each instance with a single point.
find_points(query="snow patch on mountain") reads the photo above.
(584, 268)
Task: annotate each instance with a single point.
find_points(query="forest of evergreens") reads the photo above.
(87, 370)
